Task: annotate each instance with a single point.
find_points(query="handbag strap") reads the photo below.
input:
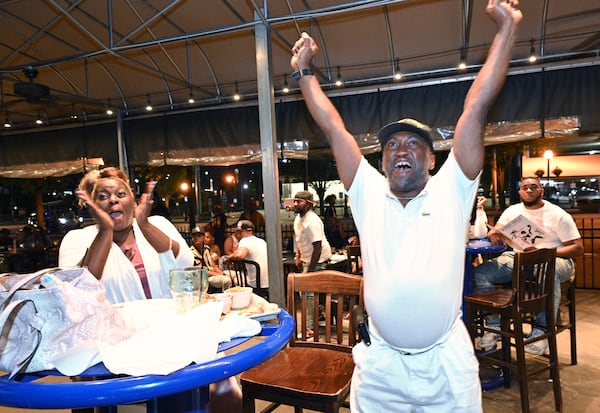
(10, 313)
(24, 281)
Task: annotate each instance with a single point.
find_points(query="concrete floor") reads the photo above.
(580, 383)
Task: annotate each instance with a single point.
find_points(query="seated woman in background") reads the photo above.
(479, 225)
(130, 252)
(232, 241)
(479, 219)
(209, 239)
(333, 230)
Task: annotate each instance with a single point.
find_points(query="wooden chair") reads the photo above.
(354, 259)
(531, 292)
(311, 373)
(567, 300)
(238, 269)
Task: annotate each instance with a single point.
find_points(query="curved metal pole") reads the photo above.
(123, 164)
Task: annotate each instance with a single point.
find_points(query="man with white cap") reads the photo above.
(254, 249)
(412, 233)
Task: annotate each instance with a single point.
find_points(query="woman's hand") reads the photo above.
(481, 202)
(101, 218)
(144, 207)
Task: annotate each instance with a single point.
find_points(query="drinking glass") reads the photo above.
(188, 286)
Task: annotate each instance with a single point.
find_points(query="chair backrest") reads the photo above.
(533, 279)
(354, 259)
(339, 293)
(238, 269)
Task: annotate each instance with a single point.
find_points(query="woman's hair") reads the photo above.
(330, 199)
(90, 180)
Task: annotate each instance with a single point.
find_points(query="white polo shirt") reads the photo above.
(413, 256)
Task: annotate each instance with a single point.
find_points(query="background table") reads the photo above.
(185, 390)
(474, 247)
(490, 377)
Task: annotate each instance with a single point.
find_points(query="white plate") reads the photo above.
(265, 316)
(271, 310)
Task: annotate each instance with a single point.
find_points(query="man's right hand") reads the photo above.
(504, 11)
(303, 52)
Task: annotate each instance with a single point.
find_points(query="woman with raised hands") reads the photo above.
(129, 251)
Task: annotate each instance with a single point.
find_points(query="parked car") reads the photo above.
(563, 198)
(57, 221)
(588, 201)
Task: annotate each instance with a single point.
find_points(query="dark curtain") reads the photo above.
(91, 141)
(567, 92)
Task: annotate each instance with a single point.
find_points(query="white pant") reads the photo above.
(442, 379)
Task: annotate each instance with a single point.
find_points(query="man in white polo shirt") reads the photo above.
(412, 231)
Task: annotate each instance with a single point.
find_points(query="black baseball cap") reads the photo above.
(405, 125)
(197, 231)
(245, 225)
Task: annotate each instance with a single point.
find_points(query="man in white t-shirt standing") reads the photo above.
(412, 234)
(312, 248)
(252, 248)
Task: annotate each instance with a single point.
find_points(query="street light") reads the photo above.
(184, 187)
(548, 154)
(242, 187)
(230, 179)
(236, 171)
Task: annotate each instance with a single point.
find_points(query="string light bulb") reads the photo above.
(109, 110)
(532, 56)
(286, 88)
(191, 97)
(236, 95)
(149, 104)
(338, 81)
(39, 120)
(462, 64)
(74, 114)
(397, 73)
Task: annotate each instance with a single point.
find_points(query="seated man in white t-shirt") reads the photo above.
(561, 233)
(252, 248)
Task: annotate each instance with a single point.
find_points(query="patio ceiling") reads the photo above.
(86, 56)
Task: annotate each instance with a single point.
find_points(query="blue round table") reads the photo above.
(185, 390)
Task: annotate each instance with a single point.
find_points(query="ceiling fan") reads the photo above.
(31, 91)
(33, 99)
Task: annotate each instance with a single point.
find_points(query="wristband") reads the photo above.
(304, 72)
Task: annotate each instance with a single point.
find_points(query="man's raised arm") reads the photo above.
(345, 149)
(468, 137)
